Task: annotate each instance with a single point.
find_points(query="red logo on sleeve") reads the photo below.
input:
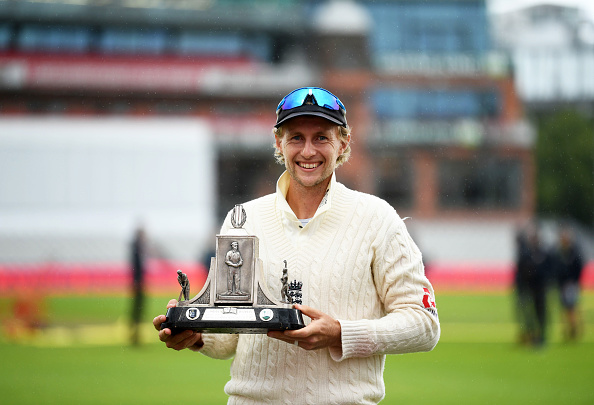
(428, 300)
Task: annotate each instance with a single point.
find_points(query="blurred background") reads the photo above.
(154, 117)
(471, 117)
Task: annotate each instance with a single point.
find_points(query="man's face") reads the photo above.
(310, 146)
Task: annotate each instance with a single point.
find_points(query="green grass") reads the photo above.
(492, 373)
(110, 375)
(476, 361)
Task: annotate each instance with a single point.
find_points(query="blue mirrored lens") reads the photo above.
(293, 99)
(322, 97)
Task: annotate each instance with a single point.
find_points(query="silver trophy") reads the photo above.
(233, 298)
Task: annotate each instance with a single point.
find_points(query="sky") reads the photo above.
(508, 5)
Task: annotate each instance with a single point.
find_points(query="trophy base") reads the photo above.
(232, 319)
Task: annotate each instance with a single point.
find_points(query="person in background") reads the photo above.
(522, 296)
(364, 287)
(569, 267)
(138, 256)
(533, 275)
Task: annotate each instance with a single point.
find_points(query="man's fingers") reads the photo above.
(182, 340)
(159, 319)
(322, 331)
(164, 334)
(290, 336)
(309, 311)
(282, 336)
(179, 341)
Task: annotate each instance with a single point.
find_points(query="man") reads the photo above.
(569, 267)
(138, 253)
(364, 286)
(533, 270)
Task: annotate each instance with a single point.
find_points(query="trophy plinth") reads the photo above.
(234, 299)
(232, 319)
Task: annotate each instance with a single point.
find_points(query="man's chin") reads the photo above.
(310, 181)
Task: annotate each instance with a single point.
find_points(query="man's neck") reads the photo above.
(304, 201)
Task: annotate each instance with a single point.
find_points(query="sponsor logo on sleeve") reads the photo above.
(429, 302)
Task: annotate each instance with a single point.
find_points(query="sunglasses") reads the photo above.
(321, 97)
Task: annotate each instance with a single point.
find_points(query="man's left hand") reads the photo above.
(323, 331)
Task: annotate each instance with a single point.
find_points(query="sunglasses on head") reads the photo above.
(317, 95)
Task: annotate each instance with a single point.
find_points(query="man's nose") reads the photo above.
(308, 149)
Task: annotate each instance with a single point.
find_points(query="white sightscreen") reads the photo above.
(80, 177)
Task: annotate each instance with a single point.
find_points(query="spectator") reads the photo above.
(533, 274)
(569, 266)
(138, 256)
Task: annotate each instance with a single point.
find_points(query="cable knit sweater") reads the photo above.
(359, 265)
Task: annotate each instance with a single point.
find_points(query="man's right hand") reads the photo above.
(186, 339)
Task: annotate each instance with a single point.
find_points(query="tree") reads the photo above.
(565, 166)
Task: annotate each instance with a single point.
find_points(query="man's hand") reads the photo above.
(323, 331)
(184, 340)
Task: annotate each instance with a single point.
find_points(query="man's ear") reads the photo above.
(345, 142)
(279, 143)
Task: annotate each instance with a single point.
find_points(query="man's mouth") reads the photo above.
(309, 165)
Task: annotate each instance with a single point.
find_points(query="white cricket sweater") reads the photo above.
(359, 265)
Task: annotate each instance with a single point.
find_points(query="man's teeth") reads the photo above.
(309, 165)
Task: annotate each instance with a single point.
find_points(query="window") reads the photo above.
(243, 176)
(199, 43)
(35, 38)
(5, 36)
(394, 180)
(480, 183)
(223, 44)
(407, 103)
(133, 41)
(455, 27)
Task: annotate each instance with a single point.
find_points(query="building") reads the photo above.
(552, 50)
(438, 126)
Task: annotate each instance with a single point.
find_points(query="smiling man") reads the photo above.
(364, 287)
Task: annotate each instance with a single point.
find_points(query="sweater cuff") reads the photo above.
(356, 340)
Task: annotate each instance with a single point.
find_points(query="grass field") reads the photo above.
(82, 357)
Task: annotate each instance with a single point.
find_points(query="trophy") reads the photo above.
(235, 298)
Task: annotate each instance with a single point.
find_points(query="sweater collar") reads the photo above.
(282, 187)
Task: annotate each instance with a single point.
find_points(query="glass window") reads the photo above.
(35, 37)
(243, 176)
(406, 103)
(259, 47)
(490, 183)
(133, 41)
(202, 43)
(429, 28)
(5, 36)
(394, 179)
